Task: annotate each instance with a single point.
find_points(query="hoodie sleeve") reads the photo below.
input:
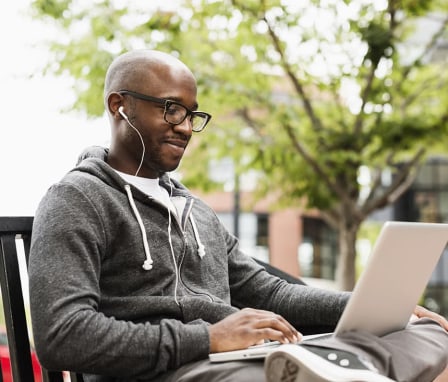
(309, 309)
(69, 243)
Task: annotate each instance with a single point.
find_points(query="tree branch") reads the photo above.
(419, 90)
(377, 179)
(316, 167)
(364, 95)
(315, 121)
(400, 184)
(331, 217)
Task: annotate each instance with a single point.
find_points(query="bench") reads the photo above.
(13, 232)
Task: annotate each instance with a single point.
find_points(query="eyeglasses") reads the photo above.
(175, 113)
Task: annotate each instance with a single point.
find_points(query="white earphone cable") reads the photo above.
(120, 110)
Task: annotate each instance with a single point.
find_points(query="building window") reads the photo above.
(318, 251)
(262, 230)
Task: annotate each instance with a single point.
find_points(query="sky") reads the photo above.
(39, 142)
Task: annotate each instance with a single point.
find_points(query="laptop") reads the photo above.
(395, 277)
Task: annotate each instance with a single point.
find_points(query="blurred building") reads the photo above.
(427, 201)
(303, 245)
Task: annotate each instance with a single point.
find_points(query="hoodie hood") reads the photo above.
(94, 158)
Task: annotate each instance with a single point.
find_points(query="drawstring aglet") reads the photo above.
(147, 265)
(201, 250)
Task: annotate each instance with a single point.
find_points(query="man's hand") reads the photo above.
(249, 327)
(421, 312)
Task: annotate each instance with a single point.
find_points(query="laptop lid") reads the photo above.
(394, 279)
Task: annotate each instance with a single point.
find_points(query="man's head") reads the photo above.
(137, 87)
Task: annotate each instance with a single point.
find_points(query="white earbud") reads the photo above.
(120, 110)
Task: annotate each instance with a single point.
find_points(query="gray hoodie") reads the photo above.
(121, 287)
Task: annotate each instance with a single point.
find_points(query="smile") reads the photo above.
(177, 142)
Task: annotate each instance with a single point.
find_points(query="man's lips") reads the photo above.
(177, 146)
(177, 142)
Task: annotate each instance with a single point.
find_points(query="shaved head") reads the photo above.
(128, 70)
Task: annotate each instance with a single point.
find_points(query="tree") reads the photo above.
(309, 93)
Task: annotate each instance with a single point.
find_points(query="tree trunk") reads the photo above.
(345, 269)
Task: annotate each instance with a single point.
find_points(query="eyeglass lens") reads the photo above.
(176, 114)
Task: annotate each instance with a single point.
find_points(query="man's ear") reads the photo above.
(114, 101)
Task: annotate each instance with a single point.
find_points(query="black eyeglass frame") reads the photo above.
(167, 103)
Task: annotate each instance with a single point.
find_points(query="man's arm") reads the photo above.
(305, 307)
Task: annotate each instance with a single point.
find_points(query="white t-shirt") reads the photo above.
(150, 187)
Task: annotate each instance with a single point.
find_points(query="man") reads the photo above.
(133, 278)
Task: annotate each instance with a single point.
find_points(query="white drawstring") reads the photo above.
(147, 264)
(201, 247)
(176, 269)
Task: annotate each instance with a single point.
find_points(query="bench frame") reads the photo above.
(12, 228)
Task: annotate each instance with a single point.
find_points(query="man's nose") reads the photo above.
(186, 127)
